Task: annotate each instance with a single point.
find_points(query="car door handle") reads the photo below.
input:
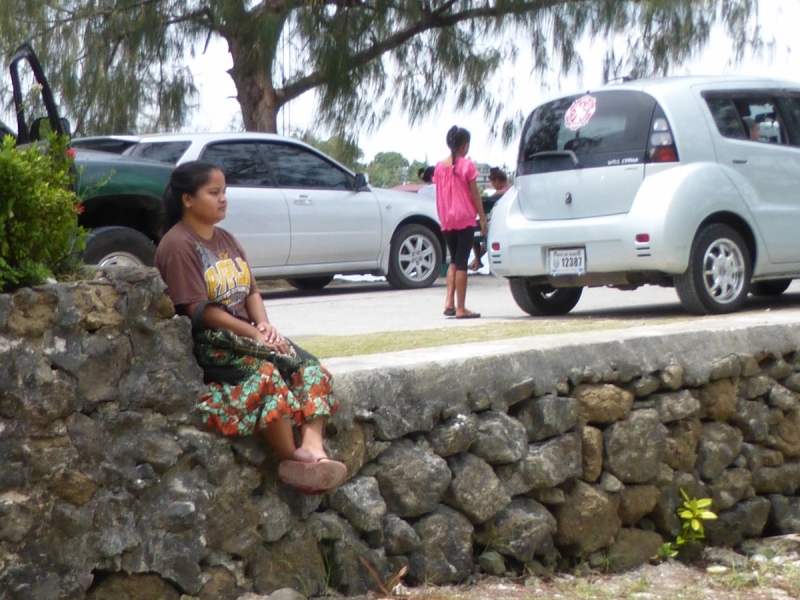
(302, 200)
(740, 161)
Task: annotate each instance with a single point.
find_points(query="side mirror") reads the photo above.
(361, 182)
(40, 128)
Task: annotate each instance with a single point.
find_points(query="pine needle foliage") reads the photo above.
(119, 65)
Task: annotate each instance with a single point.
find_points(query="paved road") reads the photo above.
(352, 308)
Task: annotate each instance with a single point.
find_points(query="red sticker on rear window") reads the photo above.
(580, 112)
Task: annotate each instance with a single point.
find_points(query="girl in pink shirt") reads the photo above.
(458, 203)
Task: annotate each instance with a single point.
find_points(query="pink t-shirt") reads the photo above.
(453, 197)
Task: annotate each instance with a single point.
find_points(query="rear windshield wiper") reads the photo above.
(557, 154)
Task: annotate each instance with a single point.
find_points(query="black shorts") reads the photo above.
(459, 243)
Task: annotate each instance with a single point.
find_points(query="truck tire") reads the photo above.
(543, 300)
(107, 246)
(717, 279)
(310, 284)
(415, 258)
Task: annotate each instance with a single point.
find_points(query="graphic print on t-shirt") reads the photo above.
(227, 280)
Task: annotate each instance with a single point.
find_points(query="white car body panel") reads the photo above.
(756, 182)
(296, 232)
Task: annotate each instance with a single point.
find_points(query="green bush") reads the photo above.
(39, 232)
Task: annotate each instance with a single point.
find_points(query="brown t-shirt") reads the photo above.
(197, 270)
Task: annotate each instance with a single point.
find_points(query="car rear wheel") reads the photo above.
(118, 246)
(415, 257)
(310, 284)
(543, 300)
(718, 277)
(770, 288)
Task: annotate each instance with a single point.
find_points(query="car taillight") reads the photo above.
(662, 146)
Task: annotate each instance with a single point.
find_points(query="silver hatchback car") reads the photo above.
(691, 182)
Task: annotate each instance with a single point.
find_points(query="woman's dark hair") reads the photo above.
(456, 137)
(185, 179)
(499, 174)
(426, 174)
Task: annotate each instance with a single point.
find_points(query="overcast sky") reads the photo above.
(218, 110)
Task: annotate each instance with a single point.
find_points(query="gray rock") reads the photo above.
(784, 479)
(784, 514)
(746, 520)
(636, 501)
(726, 557)
(500, 440)
(546, 464)
(729, 488)
(548, 416)
(348, 572)
(454, 435)
(671, 377)
(719, 446)
(610, 484)
(548, 495)
(754, 387)
(445, 551)
(399, 536)
(632, 548)
(587, 521)
(633, 449)
(779, 369)
(293, 562)
(752, 420)
(475, 490)
(682, 442)
(592, 453)
(793, 382)
(725, 368)
(644, 386)
(492, 562)
(676, 406)
(359, 501)
(412, 480)
(782, 398)
(327, 526)
(286, 594)
(523, 530)
(749, 366)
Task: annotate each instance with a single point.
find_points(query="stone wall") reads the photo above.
(490, 458)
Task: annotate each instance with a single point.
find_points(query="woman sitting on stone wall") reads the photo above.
(258, 381)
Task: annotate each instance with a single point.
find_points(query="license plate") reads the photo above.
(567, 261)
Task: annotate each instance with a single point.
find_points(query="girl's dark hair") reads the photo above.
(426, 174)
(185, 179)
(456, 137)
(498, 173)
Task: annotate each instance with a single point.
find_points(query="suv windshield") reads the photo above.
(603, 128)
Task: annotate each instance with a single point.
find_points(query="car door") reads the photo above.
(754, 142)
(257, 212)
(331, 221)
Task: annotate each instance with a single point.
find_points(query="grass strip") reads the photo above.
(377, 343)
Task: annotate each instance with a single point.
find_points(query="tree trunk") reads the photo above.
(256, 94)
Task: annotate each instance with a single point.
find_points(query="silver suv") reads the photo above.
(691, 182)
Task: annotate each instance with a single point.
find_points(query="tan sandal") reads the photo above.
(322, 475)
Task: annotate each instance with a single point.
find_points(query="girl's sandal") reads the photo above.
(320, 476)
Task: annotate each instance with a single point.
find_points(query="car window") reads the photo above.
(793, 105)
(297, 167)
(241, 162)
(747, 117)
(169, 152)
(600, 128)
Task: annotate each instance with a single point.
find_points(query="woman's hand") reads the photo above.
(270, 337)
(484, 226)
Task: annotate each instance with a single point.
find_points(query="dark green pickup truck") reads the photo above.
(121, 196)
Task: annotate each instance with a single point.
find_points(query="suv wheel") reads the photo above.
(123, 246)
(770, 288)
(415, 258)
(543, 300)
(310, 284)
(718, 277)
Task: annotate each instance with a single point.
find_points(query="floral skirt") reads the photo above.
(265, 394)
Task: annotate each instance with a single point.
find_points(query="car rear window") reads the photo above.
(169, 152)
(602, 129)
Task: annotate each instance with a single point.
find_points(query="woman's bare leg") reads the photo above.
(449, 301)
(311, 447)
(280, 436)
